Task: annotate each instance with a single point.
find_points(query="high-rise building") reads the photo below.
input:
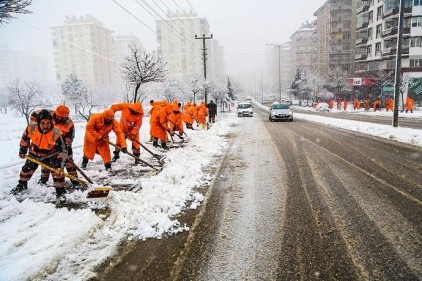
(84, 47)
(23, 66)
(376, 43)
(302, 49)
(182, 52)
(336, 36)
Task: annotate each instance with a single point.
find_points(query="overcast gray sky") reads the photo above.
(243, 27)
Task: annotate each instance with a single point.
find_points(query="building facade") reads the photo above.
(84, 47)
(23, 66)
(376, 43)
(182, 52)
(336, 37)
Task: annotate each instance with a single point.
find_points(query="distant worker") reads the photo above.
(366, 104)
(345, 103)
(409, 104)
(212, 111)
(377, 105)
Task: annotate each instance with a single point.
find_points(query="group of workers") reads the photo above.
(389, 104)
(47, 140)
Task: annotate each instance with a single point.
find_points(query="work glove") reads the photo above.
(22, 155)
(171, 132)
(124, 150)
(131, 136)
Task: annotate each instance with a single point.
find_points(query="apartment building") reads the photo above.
(23, 66)
(377, 31)
(84, 47)
(302, 50)
(182, 52)
(336, 37)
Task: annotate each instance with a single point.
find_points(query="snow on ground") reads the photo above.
(39, 241)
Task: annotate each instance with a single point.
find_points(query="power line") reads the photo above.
(135, 17)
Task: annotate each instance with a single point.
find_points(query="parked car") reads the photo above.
(244, 109)
(322, 106)
(280, 111)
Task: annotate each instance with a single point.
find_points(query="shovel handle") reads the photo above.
(130, 154)
(146, 148)
(55, 170)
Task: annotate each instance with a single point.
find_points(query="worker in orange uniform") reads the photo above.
(96, 138)
(160, 127)
(409, 104)
(175, 118)
(130, 123)
(44, 142)
(330, 103)
(377, 105)
(202, 114)
(366, 104)
(345, 103)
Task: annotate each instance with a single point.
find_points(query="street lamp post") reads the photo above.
(262, 83)
(279, 68)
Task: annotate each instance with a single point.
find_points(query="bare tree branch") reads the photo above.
(8, 7)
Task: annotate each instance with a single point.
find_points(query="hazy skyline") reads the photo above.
(241, 27)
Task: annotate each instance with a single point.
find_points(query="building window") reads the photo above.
(415, 62)
(379, 13)
(369, 50)
(417, 21)
(416, 42)
(369, 33)
(377, 48)
(371, 16)
(417, 2)
(378, 34)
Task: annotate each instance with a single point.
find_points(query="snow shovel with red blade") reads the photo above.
(96, 192)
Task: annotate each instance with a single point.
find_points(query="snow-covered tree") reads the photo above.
(174, 89)
(295, 85)
(25, 98)
(4, 100)
(75, 91)
(230, 92)
(8, 7)
(141, 67)
(195, 87)
(338, 80)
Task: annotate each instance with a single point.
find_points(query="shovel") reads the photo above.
(159, 157)
(96, 192)
(134, 156)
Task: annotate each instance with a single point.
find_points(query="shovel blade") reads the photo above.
(99, 192)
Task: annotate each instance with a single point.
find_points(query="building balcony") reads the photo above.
(362, 25)
(391, 13)
(363, 8)
(361, 56)
(361, 40)
(389, 32)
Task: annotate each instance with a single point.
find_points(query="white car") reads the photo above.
(322, 106)
(244, 109)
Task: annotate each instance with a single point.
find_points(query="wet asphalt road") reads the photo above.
(295, 201)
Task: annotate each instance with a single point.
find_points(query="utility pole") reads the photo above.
(279, 68)
(398, 66)
(204, 58)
